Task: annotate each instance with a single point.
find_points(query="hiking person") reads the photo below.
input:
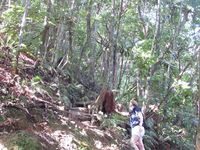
(136, 123)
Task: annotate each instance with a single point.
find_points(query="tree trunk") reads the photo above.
(138, 90)
(23, 23)
(112, 39)
(167, 85)
(93, 53)
(70, 30)
(105, 64)
(21, 32)
(45, 33)
(121, 62)
(198, 136)
(198, 129)
(87, 43)
(157, 30)
(2, 6)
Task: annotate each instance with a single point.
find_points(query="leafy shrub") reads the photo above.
(26, 141)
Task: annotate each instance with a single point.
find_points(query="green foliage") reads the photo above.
(25, 141)
(149, 140)
(11, 19)
(2, 118)
(35, 80)
(151, 136)
(177, 136)
(180, 126)
(132, 45)
(112, 121)
(143, 56)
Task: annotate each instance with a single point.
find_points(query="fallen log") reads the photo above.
(83, 104)
(81, 116)
(81, 109)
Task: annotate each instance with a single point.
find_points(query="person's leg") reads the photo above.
(140, 144)
(134, 141)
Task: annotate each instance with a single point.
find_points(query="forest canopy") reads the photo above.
(68, 50)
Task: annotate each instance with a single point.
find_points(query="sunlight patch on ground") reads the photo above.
(65, 140)
(98, 132)
(112, 147)
(98, 144)
(83, 132)
(2, 147)
(63, 119)
(108, 134)
(45, 136)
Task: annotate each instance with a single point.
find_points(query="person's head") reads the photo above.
(133, 103)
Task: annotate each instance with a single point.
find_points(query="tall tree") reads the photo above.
(21, 32)
(198, 129)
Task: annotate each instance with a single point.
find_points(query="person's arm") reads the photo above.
(123, 113)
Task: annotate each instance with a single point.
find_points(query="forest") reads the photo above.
(66, 66)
